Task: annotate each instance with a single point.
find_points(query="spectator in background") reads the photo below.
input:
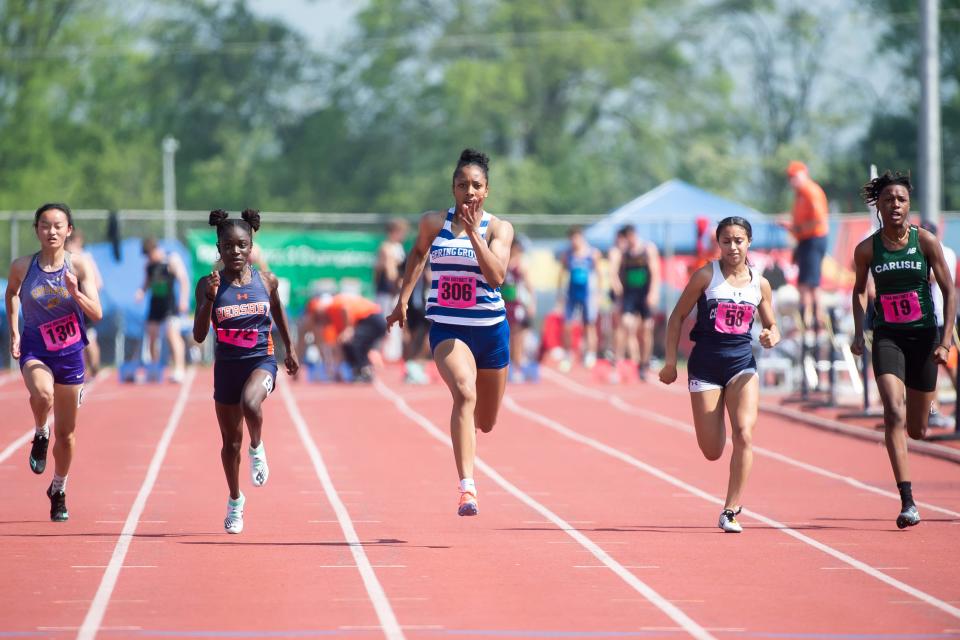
(937, 419)
(387, 271)
(578, 285)
(809, 225)
(639, 279)
(358, 325)
(520, 303)
(74, 245)
(614, 258)
(416, 329)
(707, 249)
(162, 272)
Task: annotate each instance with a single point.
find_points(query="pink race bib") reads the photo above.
(901, 307)
(60, 333)
(245, 338)
(733, 317)
(458, 292)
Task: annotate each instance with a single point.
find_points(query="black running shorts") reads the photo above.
(907, 355)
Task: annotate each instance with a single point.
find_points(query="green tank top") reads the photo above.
(902, 280)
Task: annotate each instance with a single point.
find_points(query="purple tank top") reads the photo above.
(52, 320)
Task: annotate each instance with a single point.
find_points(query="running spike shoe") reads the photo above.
(38, 454)
(468, 504)
(728, 521)
(909, 517)
(259, 471)
(58, 505)
(233, 523)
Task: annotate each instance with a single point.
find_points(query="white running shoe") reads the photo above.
(590, 360)
(728, 521)
(259, 471)
(233, 523)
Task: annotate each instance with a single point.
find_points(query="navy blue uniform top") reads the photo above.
(241, 319)
(725, 314)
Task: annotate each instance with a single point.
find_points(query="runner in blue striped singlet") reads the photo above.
(468, 250)
(721, 372)
(55, 291)
(240, 302)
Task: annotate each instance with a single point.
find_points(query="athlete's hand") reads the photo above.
(397, 316)
(291, 363)
(940, 354)
(471, 213)
(668, 375)
(71, 282)
(858, 345)
(770, 337)
(15, 347)
(213, 284)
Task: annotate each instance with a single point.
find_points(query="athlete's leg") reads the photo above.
(175, 340)
(38, 379)
(491, 384)
(153, 340)
(742, 396)
(459, 371)
(255, 391)
(230, 418)
(894, 421)
(708, 422)
(66, 398)
(645, 337)
(631, 324)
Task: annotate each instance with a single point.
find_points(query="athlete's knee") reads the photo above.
(711, 450)
(486, 425)
(894, 414)
(917, 430)
(464, 393)
(43, 398)
(742, 437)
(251, 405)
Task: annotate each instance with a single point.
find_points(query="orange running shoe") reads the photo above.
(468, 504)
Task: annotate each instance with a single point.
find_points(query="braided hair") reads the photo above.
(249, 221)
(872, 190)
(473, 157)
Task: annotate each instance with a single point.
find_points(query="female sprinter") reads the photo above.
(907, 346)
(721, 370)
(55, 290)
(240, 301)
(468, 251)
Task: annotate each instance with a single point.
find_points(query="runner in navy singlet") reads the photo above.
(721, 371)
(55, 291)
(241, 303)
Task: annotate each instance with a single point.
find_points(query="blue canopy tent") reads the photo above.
(667, 216)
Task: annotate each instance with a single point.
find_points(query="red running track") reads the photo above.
(597, 520)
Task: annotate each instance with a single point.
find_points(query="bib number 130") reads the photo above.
(60, 333)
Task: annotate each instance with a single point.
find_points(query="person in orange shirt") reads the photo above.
(358, 324)
(810, 227)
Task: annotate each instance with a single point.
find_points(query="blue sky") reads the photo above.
(326, 22)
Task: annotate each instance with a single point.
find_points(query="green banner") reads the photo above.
(303, 260)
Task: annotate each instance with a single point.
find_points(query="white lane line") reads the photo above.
(620, 404)
(94, 618)
(28, 436)
(555, 426)
(671, 610)
(388, 620)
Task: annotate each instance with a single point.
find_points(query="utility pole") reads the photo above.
(169, 146)
(931, 157)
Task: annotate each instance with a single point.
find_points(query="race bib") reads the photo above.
(245, 338)
(458, 292)
(901, 307)
(60, 333)
(733, 317)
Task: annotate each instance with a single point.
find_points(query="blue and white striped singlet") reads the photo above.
(459, 294)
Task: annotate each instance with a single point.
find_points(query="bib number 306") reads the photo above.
(458, 292)
(733, 318)
(901, 307)
(60, 333)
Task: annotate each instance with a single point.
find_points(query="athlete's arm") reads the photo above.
(280, 318)
(430, 225)
(653, 259)
(862, 256)
(18, 271)
(691, 293)
(83, 287)
(493, 255)
(180, 273)
(614, 257)
(934, 254)
(204, 295)
(770, 335)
